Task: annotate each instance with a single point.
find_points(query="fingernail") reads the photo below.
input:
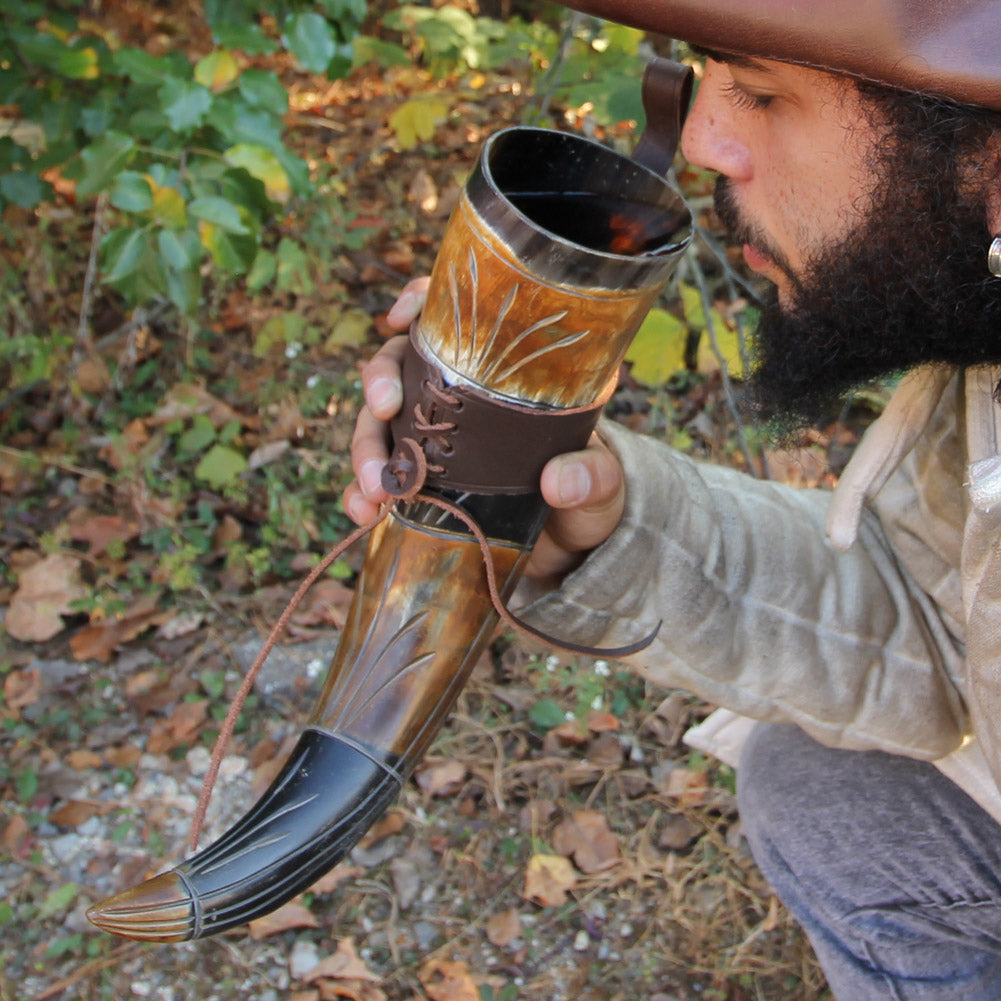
(384, 396)
(370, 477)
(357, 509)
(403, 308)
(574, 483)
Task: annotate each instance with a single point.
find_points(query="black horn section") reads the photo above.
(325, 798)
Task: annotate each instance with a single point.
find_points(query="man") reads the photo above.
(859, 151)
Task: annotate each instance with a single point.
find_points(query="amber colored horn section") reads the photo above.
(556, 252)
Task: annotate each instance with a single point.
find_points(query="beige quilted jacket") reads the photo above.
(887, 637)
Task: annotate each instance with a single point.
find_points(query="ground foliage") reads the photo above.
(169, 470)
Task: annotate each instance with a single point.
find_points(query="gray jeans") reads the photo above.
(894, 872)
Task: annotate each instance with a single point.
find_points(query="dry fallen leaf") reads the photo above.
(441, 778)
(678, 832)
(344, 964)
(75, 812)
(14, 833)
(22, 688)
(99, 640)
(548, 879)
(46, 590)
(100, 531)
(388, 825)
(290, 915)
(353, 990)
(334, 878)
(182, 726)
(585, 837)
(326, 603)
(186, 400)
(504, 928)
(599, 721)
(81, 759)
(448, 980)
(687, 785)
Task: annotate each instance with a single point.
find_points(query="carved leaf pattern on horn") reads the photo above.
(482, 361)
(375, 670)
(398, 663)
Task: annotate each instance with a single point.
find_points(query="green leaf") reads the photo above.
(310, 38)
(102, 161)
(382, 53)
(179, 251)
(217, 70)
(351, 327)
(168, 208)
(293, 268)
(255, 126)
(691, 303)
(264, 165)
(198, 437)
(185, 103)
(131, 192)
(141, 67)
(122, 252)
(339, 10)
(58, 900)
(214, 683)
(184, 289)
(220, 466)
(63, 945)
(231, 252)
(417, 119)
(27, 784)
(658, 349)
(262, 271)
(22, 188)
(282, 328)
(220, 212)
(727, 349)
(263, 89)
(80, 64)
(546, 713)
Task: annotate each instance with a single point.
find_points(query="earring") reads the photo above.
(994, 257)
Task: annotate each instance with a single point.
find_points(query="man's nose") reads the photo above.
(710, 138)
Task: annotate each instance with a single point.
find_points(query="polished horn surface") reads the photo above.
(554, 255)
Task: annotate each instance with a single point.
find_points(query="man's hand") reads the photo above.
(585, 489)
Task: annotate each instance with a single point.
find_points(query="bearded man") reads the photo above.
(858, 144)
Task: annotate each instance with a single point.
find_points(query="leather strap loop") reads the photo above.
(667, 93)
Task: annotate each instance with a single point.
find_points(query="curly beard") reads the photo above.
(908, 285)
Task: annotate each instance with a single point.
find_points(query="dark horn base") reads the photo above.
(326, 797)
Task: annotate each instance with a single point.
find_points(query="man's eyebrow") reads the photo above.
(730, 58)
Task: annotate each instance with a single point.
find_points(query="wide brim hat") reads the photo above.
(946, 48)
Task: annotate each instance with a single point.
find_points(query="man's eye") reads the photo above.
(741, 98)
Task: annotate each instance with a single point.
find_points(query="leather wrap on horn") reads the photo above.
(521, 337)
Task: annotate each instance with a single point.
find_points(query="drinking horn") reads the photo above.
(557, 250)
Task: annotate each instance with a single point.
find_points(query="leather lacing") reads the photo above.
(403, 478)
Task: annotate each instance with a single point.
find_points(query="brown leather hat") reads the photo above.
(950, 48)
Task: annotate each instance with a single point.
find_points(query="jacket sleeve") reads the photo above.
(758, 613)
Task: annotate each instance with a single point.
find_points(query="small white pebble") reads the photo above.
(581, 941)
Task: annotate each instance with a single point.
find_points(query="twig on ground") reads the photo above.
(88, 969)
(22, 456)
(84, 339)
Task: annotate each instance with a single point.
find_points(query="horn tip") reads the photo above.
(159, 910)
